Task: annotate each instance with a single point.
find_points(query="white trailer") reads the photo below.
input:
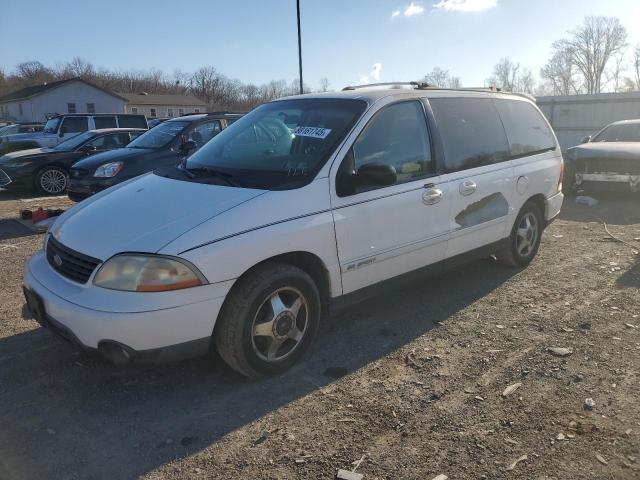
(573, 117)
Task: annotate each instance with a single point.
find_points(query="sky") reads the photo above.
(346, 41)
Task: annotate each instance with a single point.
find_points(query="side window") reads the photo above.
(397, 136)
(74, 125)
(132, 121)
(204, 132)
(471, 131)
(111, 141)
(526, 129)
(104, 122)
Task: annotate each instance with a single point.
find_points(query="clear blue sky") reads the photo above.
(255, 40)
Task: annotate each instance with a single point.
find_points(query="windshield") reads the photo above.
(629, 132)
(8, 130)
(52, 125)
(74, 142)
(281, 144)
(159, 136)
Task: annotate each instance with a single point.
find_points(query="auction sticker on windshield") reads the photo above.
(315, 132)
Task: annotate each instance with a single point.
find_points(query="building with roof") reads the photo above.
(75, 95)
(162, 106)
(35, 103)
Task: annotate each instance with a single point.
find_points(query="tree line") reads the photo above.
(592, 58)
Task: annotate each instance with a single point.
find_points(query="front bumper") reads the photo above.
(616, 180)
(79, 189)
(159, 334)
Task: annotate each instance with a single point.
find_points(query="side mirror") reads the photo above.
(378, 174)
(371, 174)
(88, 148)
(188, 146)
(586, 139)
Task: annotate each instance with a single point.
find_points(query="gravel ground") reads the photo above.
(410, 381)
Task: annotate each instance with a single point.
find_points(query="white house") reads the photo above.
(33, 104)
(163, 106)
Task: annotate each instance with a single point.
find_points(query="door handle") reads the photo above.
(431, 196)
(468, 187)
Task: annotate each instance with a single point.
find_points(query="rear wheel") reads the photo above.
(525, 237)
(268, 321)
(51, 180)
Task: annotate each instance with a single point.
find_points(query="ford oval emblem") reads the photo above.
(57, 260)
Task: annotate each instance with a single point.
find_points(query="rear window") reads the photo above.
(132, 121)
(526, 130)
(471, 131)
(623, 132)
(105, 122)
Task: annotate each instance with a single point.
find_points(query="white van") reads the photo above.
(305, 199)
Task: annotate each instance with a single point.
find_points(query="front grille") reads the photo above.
(73, 265)
(612, 165)
(4, 178)
(78, 172)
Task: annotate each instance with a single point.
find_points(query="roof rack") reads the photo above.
(417, 85)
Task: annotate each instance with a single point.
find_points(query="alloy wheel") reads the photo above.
(527, 234)
(53, 181)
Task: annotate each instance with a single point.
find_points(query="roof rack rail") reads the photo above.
(417, 85)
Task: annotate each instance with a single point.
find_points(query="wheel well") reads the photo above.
(309, 263)
(539, 200)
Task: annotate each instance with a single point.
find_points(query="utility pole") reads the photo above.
(299, 46)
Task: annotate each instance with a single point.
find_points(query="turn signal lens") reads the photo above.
(147, 273)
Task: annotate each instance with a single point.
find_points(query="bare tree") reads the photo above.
(560, 72)
(324, 84)
(442, 78)
(509, 76)
(636, 66)
(591, 47)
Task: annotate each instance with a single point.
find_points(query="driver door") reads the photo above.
(385, 231)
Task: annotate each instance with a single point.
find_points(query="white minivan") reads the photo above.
(245, 245)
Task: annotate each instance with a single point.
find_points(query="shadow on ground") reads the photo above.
(10, 228)
(64, 414)
(614, 208)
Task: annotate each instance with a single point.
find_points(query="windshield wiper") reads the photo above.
(208, 171)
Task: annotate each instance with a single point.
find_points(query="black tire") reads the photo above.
(234, 331)
(49, 180)
(514, 255)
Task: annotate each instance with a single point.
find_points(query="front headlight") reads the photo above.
(108, 169)
(147, 273)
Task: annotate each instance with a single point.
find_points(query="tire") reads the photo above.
(51, 180)
(247, 332)
(523, 247)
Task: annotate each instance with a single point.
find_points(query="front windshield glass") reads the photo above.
(52, 125)
(159, 136)
(74, 142)
(8, 130)
(629, 132)
(281, 144)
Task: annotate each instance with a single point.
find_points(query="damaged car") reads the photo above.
(245, 245)
(608, 160)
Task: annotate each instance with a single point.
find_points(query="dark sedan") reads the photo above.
(164, 145)
(47, 169)
(608, 160)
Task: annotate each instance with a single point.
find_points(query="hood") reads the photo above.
(19, 137)
(143, 215)
(117, 155)
(25, 153)
(606, 150)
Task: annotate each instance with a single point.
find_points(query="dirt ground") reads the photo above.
(410, 381)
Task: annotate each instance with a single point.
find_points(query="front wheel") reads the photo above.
(268, 321)
(525, 237)
(51, 180)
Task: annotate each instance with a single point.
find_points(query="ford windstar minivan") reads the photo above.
(305, 199)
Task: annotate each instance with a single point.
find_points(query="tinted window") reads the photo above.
(105, 122)
(75, 125)
(396, 136)
(159, 136)
(111, 141)
(471, 130)
(204, 132)
(132, 121)
(629, 132)
(526, 129)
